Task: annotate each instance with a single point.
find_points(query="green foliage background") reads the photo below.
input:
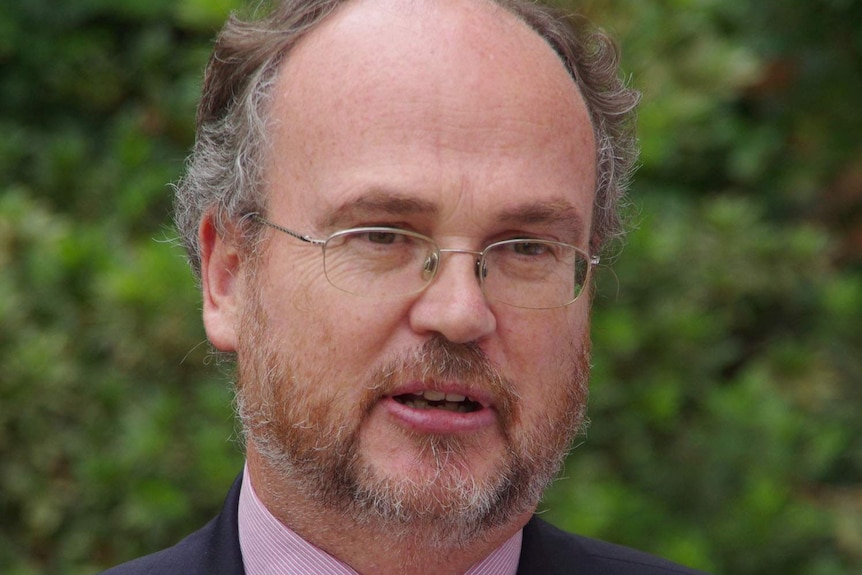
(727, 338)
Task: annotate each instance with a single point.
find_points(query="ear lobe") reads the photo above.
(221, 285)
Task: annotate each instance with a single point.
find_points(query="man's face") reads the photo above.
(454, 120)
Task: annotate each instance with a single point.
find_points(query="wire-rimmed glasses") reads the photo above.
(383, 262)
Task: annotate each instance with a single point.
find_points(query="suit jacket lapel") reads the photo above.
(227, 556)
(547, 551)
(214, 550)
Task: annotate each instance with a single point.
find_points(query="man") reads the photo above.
(394, 208)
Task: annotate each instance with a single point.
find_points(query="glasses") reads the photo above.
(381, 262)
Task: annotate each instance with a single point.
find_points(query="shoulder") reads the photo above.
(184, 557)
(213, 550)
(548, 550)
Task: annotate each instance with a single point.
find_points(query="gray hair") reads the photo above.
(224, 174)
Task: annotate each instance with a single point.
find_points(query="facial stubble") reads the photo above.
(314, 446)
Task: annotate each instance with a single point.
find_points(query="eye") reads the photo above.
(385, 238)
(530, 248)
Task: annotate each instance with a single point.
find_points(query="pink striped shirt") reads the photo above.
(270, 548)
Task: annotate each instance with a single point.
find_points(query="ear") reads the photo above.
(221, 284)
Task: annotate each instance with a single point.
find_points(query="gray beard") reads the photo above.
(319, 456)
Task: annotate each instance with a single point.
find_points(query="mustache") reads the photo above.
(439, 360)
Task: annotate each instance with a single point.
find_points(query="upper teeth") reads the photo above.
(433, 395)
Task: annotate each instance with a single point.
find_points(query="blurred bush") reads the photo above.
(727, 335)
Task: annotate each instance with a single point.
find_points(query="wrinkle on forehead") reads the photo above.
(453, 101)
(470, 56)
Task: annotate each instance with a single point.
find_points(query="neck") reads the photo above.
(373, 547)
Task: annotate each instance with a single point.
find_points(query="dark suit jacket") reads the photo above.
(214, 550)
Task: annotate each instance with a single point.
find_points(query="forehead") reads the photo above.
(453, 100)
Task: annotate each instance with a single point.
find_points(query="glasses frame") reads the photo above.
(479, 255)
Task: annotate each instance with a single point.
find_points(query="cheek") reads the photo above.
(334, 338)
(363, 331)
(540, 353)
(293, 280)
(537, 339)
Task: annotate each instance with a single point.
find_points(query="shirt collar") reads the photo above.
(271, 548)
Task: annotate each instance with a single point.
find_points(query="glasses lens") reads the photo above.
(534, 274)
(378, 262)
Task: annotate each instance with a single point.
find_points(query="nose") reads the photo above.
(454, 305)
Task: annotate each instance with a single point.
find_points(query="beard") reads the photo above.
(313, 444)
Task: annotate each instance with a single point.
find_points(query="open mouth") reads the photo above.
(430, 399)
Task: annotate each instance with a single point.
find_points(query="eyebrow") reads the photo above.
(378, 202)
(559, 213)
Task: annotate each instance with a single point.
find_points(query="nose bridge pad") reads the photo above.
(481, 268)
(429, 268)
(431, 265)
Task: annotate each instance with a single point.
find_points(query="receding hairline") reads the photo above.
(221, 177)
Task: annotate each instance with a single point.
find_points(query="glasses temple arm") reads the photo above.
(260, 219)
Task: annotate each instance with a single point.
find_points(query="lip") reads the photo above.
(441, 421)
